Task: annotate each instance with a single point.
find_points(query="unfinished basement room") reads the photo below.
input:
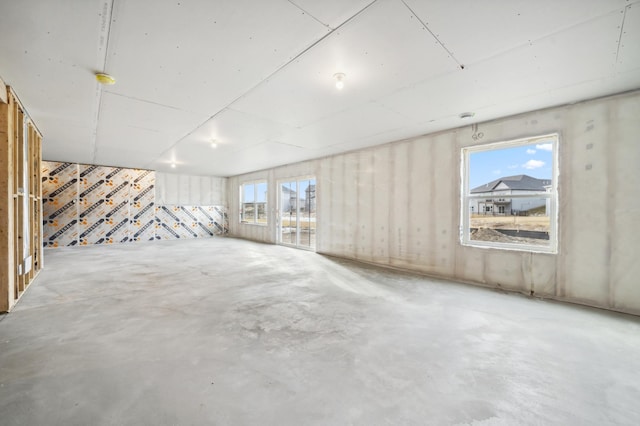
(339, 212)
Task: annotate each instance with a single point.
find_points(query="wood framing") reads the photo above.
(3, 92)
(7, 245)
(20, 201)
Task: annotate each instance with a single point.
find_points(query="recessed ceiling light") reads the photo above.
(173, 165)
(105, 79)
(339, 77)
(214, 144)
(466, 115)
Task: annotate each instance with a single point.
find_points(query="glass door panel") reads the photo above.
(288, 212)
(297, 212)
(307, 213)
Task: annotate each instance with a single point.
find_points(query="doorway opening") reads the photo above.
(297, 213)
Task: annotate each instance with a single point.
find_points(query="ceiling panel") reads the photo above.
(356, 123)
(153, 127)
(565, 95)
(191, 157)
(628, 55)
(75, 144)
(200, 55)
(332, 12)
(48, 55)
(381, 51)
(258, 75)
(261, 156)
(477, 86)
(122, 157)
(234, 130)
(528, 72)
(200, 159)
(593, 45)
(474, 30)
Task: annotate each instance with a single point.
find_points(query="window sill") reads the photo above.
(511, 247)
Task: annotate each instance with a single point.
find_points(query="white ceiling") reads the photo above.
(257, 75)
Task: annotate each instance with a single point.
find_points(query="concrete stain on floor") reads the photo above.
(230, 332)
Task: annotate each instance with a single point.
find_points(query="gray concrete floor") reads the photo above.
(230, 332)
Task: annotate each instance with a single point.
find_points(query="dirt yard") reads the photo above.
(487, 225)
(523, 223)
(486, 234)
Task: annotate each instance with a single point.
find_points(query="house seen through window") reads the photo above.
(253, 208)
(510, 196)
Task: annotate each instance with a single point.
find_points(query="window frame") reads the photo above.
(552, 195)
(255, 220)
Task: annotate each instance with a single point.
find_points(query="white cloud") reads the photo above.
(513, 166)
(533, 164)
(544, 147)
(531, 151)
(497, 172)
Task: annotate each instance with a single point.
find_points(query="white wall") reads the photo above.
(398, 205)
(176, 189)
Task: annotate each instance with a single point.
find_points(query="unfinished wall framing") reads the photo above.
(21, 200)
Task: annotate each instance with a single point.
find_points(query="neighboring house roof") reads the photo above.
(518, 182)
(288, 190)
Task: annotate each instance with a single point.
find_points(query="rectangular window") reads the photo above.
(509, 195)
(253, 203)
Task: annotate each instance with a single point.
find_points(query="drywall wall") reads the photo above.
(177, 189)
(398, 205)
(89, 204)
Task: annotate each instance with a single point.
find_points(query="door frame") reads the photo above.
(279, 184)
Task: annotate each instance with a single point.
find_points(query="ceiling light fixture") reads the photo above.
(339, 77)
(173, 165)
(214, 144)
(466, 115)
(105, 79)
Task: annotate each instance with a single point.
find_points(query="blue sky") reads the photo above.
(534, 160)
(249, 190)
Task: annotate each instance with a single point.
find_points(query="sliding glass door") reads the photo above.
(297, 213)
